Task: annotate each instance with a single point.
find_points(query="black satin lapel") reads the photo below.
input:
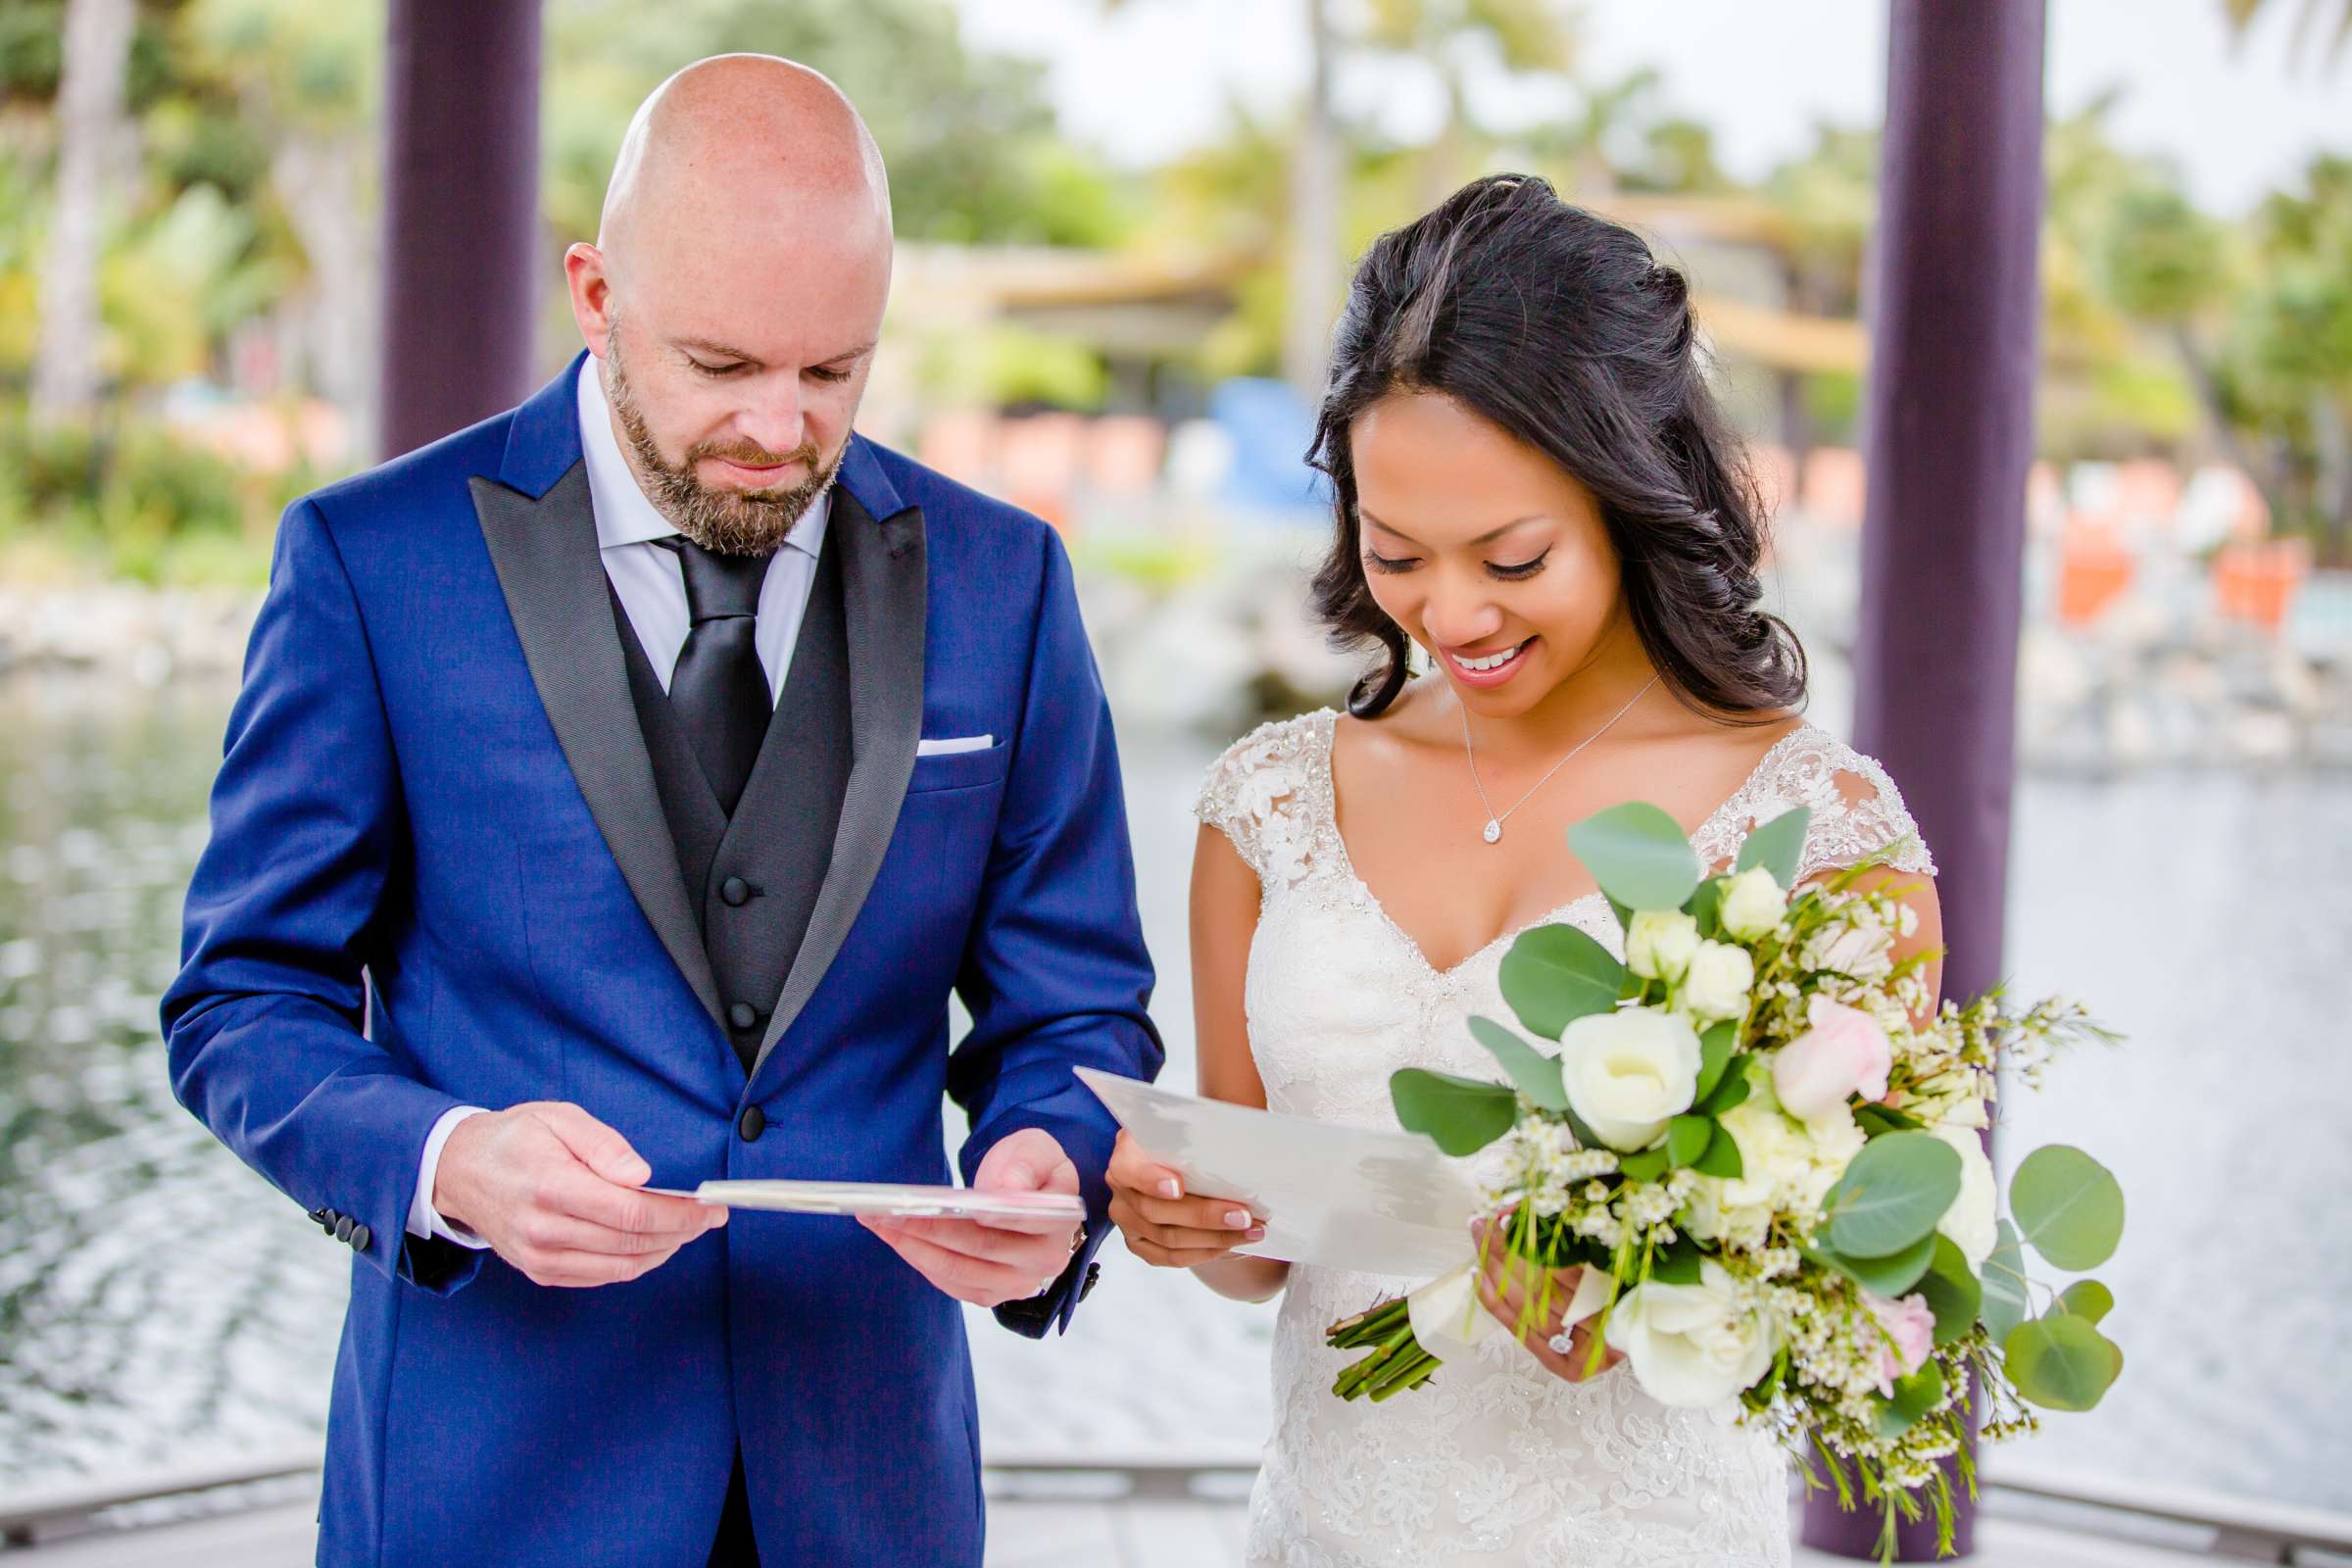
(884, 600)
(548, 567)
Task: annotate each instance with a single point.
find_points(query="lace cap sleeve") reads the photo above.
(1857, 811)
(1259, 793)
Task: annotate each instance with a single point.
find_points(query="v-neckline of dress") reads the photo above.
(1345, 864)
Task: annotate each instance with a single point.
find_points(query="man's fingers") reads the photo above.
(596, 1145)
(546, 1232)
(956, 1272)
(581, 1194)
(989, 1244)
(574, 1270)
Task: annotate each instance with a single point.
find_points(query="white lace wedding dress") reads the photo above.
(1497, 1462)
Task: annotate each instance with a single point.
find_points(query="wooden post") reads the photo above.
(1948, 437)
(461, 252)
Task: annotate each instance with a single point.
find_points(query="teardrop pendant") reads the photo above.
(1494, 832)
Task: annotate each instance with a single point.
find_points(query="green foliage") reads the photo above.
(1557, 974)
(2006, 1302)
(1460, 1115)
(2061, 1362)
(1955, 1295)
(1638, 855)
(1779, 846)
(1893, 1194)
(2069, 1207)
(1537, 1076)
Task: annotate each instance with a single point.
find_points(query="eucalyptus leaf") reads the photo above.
(1777, 846)
(1913, 1398)
(2069, 1207)
(1625, 917)
(2061, 1362)
(1890, 1276)
(1892, 1194)
(1537, 1075)
(1955, 1295)
(1687, 1138)
(2006, 1302)
(2086, 1299)
(1722, 1156)
(1714, 1055)
(1557, 974)
(1638, 855)
(1676, 1263)
(1460, 1115)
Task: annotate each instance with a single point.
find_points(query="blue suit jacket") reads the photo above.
(439, 875)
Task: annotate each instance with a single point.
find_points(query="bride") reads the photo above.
(1533, 483)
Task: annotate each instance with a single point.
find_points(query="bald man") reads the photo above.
(618, 791)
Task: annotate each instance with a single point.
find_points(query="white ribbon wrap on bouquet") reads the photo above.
(1450, 1320)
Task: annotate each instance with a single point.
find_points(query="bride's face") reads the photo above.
(1489, 556)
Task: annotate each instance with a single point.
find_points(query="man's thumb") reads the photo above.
(598, 1147)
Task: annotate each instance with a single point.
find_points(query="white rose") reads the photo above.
(1971, 1221)
(1658, 943)
(1629, 1073)
(1717, 983)
(1692, 1345)
(1709, 1215)
(1775, 1154)
(1837, 1137)
(1752, 904)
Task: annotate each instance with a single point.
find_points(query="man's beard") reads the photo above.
(727, 522)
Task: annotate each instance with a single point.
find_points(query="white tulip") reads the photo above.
(1658, 943)
(1716, 985)
(1971, 1222)
(1752, 904)
(1630, 1072)
(1692, 1345)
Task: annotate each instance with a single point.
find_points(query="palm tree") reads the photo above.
(90, 124)
(2242, 14)
(1526, 36)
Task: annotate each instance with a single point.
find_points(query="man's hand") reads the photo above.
(989, 1263)
(553, 1191)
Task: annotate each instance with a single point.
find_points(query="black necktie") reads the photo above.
(719, 689)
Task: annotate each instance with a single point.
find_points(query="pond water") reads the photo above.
(159, 1303)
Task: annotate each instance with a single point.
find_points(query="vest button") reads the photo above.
(736, 891)
(752, 1123)
(743, 1015)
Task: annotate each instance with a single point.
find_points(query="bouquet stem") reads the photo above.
(1398, 1361)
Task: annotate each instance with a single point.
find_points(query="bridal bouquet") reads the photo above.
(1771, 1177)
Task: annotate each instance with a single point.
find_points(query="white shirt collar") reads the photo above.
(623, 516)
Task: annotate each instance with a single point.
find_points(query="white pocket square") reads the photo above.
(960, 742)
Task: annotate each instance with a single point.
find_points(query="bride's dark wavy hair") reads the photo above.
(1562, 328)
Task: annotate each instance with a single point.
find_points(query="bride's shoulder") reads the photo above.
(1857, 807)
(1262, 778)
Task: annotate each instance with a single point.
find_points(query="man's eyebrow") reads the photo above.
(1485, 538)
(730, 352)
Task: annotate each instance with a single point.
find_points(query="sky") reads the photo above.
(2238, 120)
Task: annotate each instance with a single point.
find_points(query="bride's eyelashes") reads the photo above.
(1520, 572)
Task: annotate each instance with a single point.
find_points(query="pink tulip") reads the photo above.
(1844, 1053)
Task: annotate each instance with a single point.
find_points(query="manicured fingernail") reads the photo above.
(1170, 1187)
(1257, 1232)
(1238, 1219)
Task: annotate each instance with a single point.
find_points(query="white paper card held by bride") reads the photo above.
(1354, 1198)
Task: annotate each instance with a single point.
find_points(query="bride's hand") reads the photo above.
(1163, 1227)
(1505, 1282)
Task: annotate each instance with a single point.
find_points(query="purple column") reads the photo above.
(461, 251)
(1949, 434)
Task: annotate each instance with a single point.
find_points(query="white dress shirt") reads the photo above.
(651, 585)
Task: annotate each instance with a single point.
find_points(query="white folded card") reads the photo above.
(1385, 1202)
(883, 1197)
(953, 746)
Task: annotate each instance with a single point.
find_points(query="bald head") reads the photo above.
(736, 139)
(735, 293)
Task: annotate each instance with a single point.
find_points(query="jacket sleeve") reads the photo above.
(1056, 975)
(266, 1023)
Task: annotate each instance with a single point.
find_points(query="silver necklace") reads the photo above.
(1493, 833)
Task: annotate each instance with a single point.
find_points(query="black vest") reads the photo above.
(752, 879)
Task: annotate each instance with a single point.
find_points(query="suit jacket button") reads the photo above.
(344, 1227)
(743, 1015)
(752, 1123)
(1094, 1272)
(359, 1238)
(326, 1218)
(736, 891)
